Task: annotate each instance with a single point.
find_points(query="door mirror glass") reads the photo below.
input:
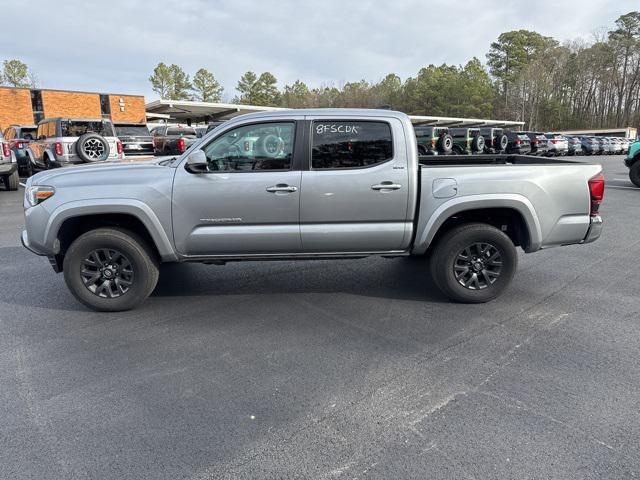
(197, 162)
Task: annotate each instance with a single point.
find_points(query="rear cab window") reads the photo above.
(182, 132)
(350, 144)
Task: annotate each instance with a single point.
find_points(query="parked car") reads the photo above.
(574, 145)
(557, 144)
(625, 145)
(495, 140)
(254, 190)
(8, 166)
(63, 141)
(632, 161)
(467, 140)
(590, 145)
(433, 140)
(608, 147)
(18, 137)
(617, 144)
(518, 143)
(173, 140)
(539, 143)
(135, 138)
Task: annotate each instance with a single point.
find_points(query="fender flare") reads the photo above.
(127, 206)
(516, 202)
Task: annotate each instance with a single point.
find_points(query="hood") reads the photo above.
(105, 173)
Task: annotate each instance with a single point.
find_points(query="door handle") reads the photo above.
(282, 187)
(386, 186)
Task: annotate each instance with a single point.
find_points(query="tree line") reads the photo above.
(527, 77)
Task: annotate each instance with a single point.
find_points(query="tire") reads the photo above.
(12, 181)
(445, 144)
(92, 147)
(27, 170)
(634, 173)
(134, 256)
(503, 141)
(477, 144)
(493, 279)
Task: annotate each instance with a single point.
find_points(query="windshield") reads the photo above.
(76, 128)
(136, 130)
(184, 132)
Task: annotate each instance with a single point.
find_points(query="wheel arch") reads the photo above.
(73, 219)
(514, 214)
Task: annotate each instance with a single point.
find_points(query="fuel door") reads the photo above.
(444, 188)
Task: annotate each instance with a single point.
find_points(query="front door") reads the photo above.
(355, 193)
(248, 200)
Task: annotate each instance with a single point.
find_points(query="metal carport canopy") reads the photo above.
(183, 110)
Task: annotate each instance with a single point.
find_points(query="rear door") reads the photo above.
(248, 200)
(355, 188)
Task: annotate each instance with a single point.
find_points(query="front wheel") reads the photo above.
(473, 263)
(110, 269)
(634, 173)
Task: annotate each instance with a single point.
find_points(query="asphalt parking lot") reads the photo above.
(329, 369)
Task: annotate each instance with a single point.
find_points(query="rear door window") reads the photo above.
(350, 144)
(76, 128)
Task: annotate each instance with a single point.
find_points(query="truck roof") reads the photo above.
(338, 112)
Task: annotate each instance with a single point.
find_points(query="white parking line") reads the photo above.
(621, 179)
(623, 188)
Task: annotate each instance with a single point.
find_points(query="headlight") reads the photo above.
(38, 194)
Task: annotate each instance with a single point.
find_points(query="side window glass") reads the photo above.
(344, 144)
(263, 146)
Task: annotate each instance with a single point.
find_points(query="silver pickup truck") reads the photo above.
(307, 184)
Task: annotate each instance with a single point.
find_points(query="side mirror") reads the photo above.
(197, 162)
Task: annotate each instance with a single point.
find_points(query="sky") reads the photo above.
(112, 46)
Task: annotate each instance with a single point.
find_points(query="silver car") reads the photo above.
(558, 144)
(62, 141)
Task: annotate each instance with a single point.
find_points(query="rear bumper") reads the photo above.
(595, 229)
(8, 168)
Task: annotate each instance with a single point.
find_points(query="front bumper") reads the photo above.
(595, 229)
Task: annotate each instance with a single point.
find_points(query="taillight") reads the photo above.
(58, 149)
(19, 145)
(596, 191)
(6, 151)
(433, 143)
(534, 141)
(181, 144)
(119, 147)
(518, 142)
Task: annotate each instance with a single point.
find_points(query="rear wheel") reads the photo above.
(110, 269)
(473, 263)
(634, 173)
(12, 181)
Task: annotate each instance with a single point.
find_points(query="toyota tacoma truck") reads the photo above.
(307, 184)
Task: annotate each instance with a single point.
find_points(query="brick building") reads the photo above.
(24, 106)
